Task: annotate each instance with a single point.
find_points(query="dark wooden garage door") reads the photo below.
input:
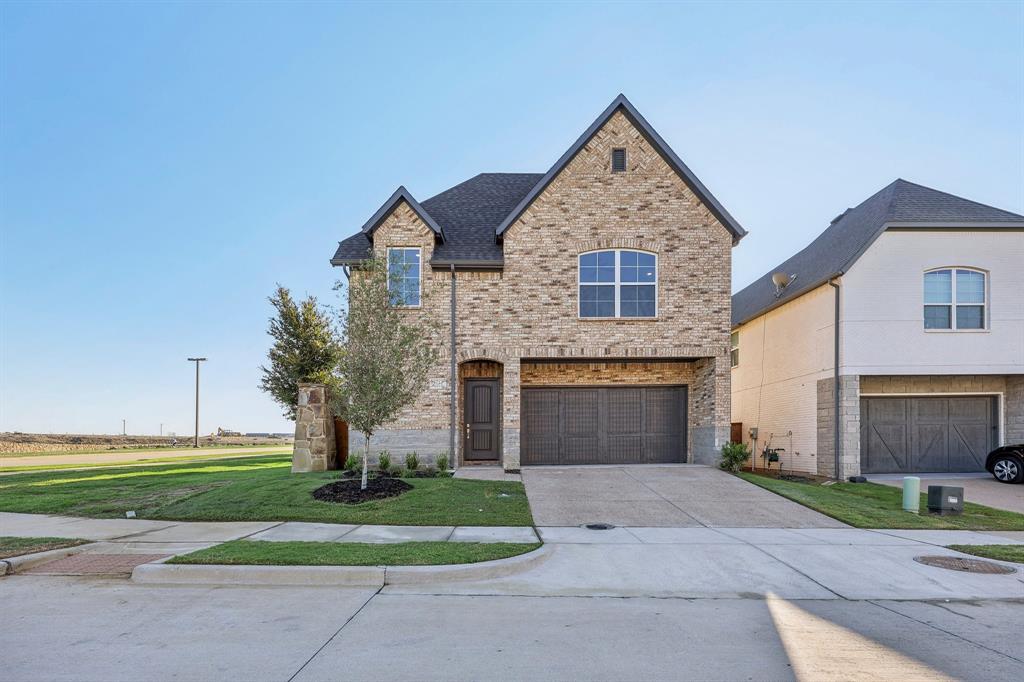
(603, 425)
(907, 435)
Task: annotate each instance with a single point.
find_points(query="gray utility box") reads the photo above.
(945, 499)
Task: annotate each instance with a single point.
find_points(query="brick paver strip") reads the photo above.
(92, 564)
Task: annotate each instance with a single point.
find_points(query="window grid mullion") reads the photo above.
(618, 284)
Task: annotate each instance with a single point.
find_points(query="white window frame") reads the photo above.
(734, 347)
(419, 274)
(617, 283)
(952, 305)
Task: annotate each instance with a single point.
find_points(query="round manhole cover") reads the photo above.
(955, 563)
(598, 526)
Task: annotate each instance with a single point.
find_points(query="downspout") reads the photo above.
(836, 440)
(453, 459)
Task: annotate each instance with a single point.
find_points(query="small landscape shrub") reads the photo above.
(384, 462)
(412, 461)
(733, 456)
(354, 465)
(441, 462)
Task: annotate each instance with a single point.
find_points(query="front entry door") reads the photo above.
(482, 421)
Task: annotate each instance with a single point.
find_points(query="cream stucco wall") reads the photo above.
(883, 305)
(783, 354)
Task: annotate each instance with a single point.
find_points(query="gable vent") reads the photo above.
(618, 160)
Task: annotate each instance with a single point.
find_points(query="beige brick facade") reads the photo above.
(528, 311)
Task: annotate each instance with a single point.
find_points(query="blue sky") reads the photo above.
(162, 165)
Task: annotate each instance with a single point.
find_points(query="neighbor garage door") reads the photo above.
(905, 435)
(603, 425)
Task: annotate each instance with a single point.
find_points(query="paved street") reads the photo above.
(116, 630)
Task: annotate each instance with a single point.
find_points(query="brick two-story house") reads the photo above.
(584, 313)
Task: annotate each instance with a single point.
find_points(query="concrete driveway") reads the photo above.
(979, 488)
(681, 495)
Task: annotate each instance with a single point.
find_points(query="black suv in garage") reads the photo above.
(1007, 463)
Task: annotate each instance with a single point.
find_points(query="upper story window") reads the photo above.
(955, 299)
(734, 349)
(618, 283)
(404, 276)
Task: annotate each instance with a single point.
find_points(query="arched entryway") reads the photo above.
(480, 411)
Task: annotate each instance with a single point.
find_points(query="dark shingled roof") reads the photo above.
(467, 213)
(901, 204)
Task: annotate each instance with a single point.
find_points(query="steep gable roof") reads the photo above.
(901, 204)
(401, 194)
(468, 213)
(655, 140)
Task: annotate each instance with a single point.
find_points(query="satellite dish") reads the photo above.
(781, 280)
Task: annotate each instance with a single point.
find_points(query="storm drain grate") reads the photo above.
(598, 526)
(955, 563)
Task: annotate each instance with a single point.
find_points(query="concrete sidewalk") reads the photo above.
(141, 534)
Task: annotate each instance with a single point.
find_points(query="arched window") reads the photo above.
(618, 283)
(955, 299)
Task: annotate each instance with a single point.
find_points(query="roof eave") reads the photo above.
(660, 146)
(783, 301)
(467, 263)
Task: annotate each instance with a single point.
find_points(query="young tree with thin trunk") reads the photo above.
(388, 351)
(305, 348)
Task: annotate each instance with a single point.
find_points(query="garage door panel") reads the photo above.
(603, 425)
(540, 425)
(625, 411)
(964, 454)
(661, 449)
(926, 434)
(930, 451)
(624, 449)
(888, 447)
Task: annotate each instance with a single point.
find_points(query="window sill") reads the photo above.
(616, 319)
(957, 331)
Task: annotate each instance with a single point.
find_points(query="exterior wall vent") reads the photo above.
(618, 161)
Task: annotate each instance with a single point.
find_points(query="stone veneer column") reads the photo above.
(314, 448)
(510, 382)
(1014, 410)
(849, 431)
(709, 412)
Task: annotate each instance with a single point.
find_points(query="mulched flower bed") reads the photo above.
(349, 492)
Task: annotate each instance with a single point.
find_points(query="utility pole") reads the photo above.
(195, 443)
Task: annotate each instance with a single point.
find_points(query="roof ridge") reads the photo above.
(660, 146)
(955, 196)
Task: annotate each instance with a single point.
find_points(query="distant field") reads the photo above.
(28, 444)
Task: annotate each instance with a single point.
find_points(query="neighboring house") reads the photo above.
(590, 306)
(930, 296)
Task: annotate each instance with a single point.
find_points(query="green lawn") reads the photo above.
(256, 489)
(353, 553)
(997, 552)
(10, 546)
(135, 462)
(869, 505)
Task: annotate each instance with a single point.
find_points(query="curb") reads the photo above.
(351, 576)
(15, 564)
